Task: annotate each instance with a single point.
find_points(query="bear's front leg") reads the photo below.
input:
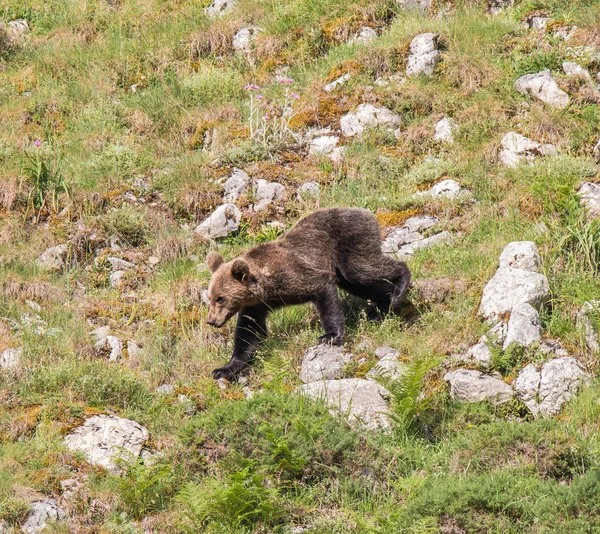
(251, 329)
(331, 315)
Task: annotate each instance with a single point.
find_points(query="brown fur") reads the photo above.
(328, 249)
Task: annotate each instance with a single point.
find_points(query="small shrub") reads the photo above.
(128, 224)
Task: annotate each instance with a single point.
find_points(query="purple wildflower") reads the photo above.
(37, 143)
(284, 79)
(295, 96)
(259, 97)
(266, 117)
(251, 87)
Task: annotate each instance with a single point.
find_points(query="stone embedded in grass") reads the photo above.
(116, 279)
(133, 349)
(53, 258)
(15, 31)
(388, 367)
(118, 264)
(323, 362)
(469, 385)
(406, 251)
(165, 389)
(450, 189)
(510, 287)
(589, 198)
(421, 5)
(9, 359)
(236, 185)
(538, 23)
(587, 321)
(498, 6)
(381, 352)
(545, 391)
(219, 8)
(363, 35)
(479, 354)
(265, 193)
(517, 148)
(104, 439)
(409, 232)
(444, 130)
(308, 190)
(111, 344)
(362, 402)
(542, 87)
(424, 55)
(323, 145)
(524, 326)
(368, 116)
(337, 83)
(222, 222)
(573, 69)
(242, 40)
(521, 255)
(41, 512)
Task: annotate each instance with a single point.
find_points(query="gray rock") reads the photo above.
(10, 358)
(165, 389)
(538, 23)
(308, 190)
(420, 5)
(380, 352)
(236, 185)
(100, 333)
(117, 264)
(364, 35)
(521, 255)
(450, 189)
(388, 367)
(543, 87)
(223, 221)
(53, 258)
(589, 197)
(362, 402)
(265, 193)
(498, 6)
(323, 362)
(337, 83)
(133, 349)
(587, 322)
(545, 391)
(105, 438)
(573, 69)
(524, 326)
(424, 55)
(517, 149)
(112, 344)
(323, 145)
(510, 287)
(368, 116)
(219, 8)
(444, 130)
(596, 151)
(242, 40)
(41, 512)
(479, 354)
(15, 31)
(116, 279)
(468, 385)
(410, 232)
(406, 251)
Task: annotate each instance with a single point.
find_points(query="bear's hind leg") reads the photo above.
(331, 315)
(251, 329)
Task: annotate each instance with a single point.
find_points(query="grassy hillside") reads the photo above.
(120, 119)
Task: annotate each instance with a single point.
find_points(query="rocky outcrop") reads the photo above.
(589, 197)
(236, 185)
(242, 40)
(41, 513)
(223, 221)
(542, 86)
(10, 358)
(368, 116)
(524, 326)
(266, 193)
(323, 362)
(449, 189)
(469, 385)
(444, 130)
(53, 258)
(219, 7)
(424, 55)
(517, 149)
(588, 319)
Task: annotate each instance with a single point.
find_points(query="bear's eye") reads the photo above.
(220, 300)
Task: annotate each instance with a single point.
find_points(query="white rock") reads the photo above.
(323, 145)
(236, 185)
(363, 35)
(308, 190)
(112, 344)
(41, 512)
(368, 116)
(265, 193)
(99, 334)
(117, 264)
(479, 354)
(116, 278)
(596, 151)
(53, 258)
(509, 288)
(420, 223)
(362, 402)
(410, 232)
(521, 255)
(450, 189)
(165, 389)
(219, 8)
(543, 87)
(420, 5)
(589, 195)
(573, 69)
(380, 352)
(538, 23)
(444, 130)
(105, 438)
(424, 55)
(388, 367)
(468, 385)
(587, 321)
(223, 221)
(517, 148)
(406, 251)
(133, 349)
(323, 362)
(337, 155)
(337, 83)
(545, 391)
(9, 359)
(242, 40)
(15, 30)
(524, 326)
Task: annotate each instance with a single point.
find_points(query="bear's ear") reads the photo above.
(240, 270)
(214, 260)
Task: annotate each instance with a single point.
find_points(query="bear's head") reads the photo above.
(232, 287)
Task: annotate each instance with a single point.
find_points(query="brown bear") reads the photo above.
(330, 248)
